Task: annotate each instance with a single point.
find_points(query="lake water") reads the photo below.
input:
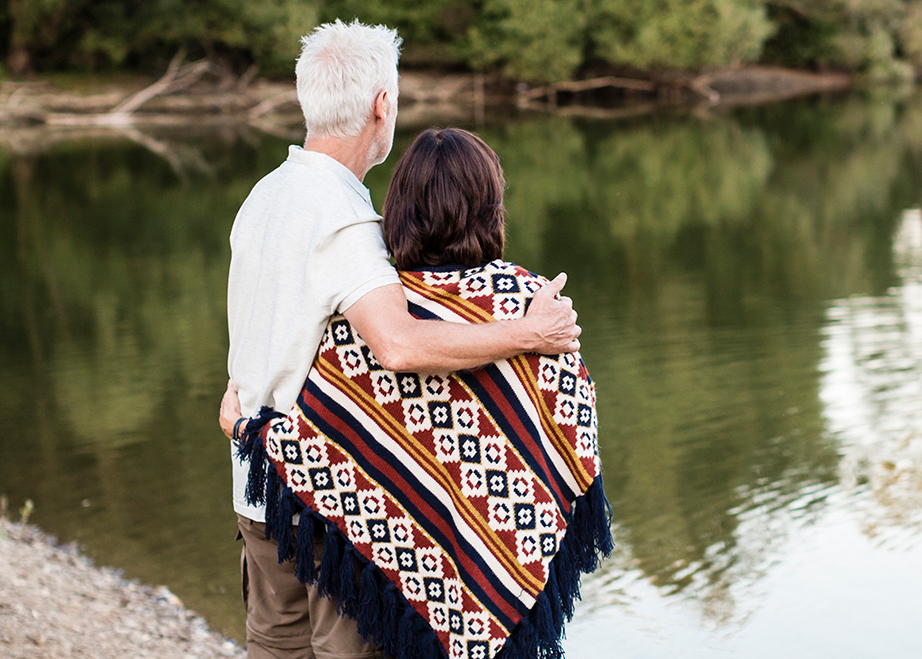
(750, 286)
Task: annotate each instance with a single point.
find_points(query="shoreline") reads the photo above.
(36, 115)
(192, 93)
(56, 604)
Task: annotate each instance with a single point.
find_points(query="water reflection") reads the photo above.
(872, 394)
(749, 286)
(738, 316)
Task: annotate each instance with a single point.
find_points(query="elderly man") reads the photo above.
(307, 244)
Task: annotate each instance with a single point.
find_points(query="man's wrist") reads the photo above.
(235, 436)
(524, 334)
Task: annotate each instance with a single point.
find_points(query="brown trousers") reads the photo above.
(285, 618)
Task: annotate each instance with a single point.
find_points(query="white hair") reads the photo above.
(342, 68)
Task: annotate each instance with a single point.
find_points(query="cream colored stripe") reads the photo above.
(528, 404)
(555, 433)
(463, 308)
(437, 481)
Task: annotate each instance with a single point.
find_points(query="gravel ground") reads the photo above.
(55, 604)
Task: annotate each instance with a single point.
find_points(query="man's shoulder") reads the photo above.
(295, 192)
(297, 179)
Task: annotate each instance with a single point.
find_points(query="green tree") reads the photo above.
(430, 28)
(93, 34)
(35, 26)
(879, 38)
(535, 40)
(267, 31)
(530, 40)
(910, 35)
(678, 34)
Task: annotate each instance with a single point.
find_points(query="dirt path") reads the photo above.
(55, 604)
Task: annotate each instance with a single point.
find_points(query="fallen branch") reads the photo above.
(587, 111)
(244, 82)
(702, 86)
(136, 100)
(176, 77)
(586, 85)
(272, 103)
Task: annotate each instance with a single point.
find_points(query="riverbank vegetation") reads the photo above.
(537, 41)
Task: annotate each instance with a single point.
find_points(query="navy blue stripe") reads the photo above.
(471, 379)
(368, 465)
(421, 312)
(551, 478)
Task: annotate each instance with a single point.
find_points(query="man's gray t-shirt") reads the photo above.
(306, 244)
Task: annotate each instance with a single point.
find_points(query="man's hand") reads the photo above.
(230, 410)
(554, 320)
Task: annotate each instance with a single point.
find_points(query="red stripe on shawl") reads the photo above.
(467, 308)
(524, 577)
(524, 369)
(394, 477)
(513, 419)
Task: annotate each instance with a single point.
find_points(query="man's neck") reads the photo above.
(351, 151)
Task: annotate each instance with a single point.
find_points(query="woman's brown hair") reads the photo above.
(445, 202)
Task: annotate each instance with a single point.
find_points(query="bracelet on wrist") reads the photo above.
(236, 433)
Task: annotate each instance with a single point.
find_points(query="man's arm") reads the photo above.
(403, 343)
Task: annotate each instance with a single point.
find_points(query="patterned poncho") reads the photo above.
(459, 509)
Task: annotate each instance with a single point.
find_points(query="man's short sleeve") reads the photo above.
(350, 263)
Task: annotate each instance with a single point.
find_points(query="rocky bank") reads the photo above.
(55, 604)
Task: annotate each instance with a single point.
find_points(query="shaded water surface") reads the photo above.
(750, 288)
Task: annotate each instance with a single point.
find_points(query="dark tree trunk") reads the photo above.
(19, 61)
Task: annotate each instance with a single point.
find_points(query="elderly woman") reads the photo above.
(450, 514)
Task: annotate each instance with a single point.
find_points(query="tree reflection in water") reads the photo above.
(872, 394)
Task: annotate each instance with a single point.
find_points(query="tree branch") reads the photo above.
(584, 85)
(176, 77)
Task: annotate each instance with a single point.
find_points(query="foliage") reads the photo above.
(548, 40)
(540, 40)
(678, 33)
(800, 41)
(910, 35)
(879, 38)
(530, 40)
(93, 34)
(429, 28)
(36, 26)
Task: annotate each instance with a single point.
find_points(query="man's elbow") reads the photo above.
(399, 346)
(394, 357)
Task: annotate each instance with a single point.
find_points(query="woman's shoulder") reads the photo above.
(507, 276)
(498, 277)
